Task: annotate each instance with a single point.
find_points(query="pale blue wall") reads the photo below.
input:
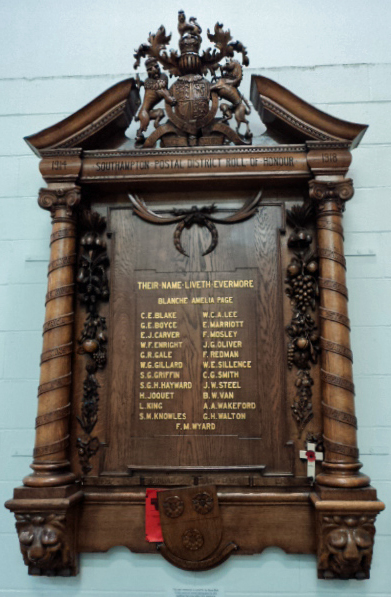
(56, 56)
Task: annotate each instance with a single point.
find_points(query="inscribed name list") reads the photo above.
(196, 364)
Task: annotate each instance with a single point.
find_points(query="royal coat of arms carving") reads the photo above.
(192, 101)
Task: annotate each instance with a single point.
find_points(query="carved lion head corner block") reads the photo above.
(196, 386)
(45, 544)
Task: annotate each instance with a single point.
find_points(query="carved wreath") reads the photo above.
(186, 218)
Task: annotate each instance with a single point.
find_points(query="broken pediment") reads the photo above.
(102, 123)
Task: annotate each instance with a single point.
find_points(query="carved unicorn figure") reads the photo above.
(226, 87)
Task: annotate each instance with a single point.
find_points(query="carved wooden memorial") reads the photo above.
(196, 339)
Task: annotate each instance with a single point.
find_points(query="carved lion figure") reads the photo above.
(347, 546)
(188, 28)
(155, 90)
(42, 541)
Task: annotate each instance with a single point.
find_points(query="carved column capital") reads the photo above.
(337, 192)
(52, 199)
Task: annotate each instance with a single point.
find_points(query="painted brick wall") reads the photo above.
(56, 56)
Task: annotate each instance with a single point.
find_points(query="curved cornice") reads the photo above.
(285, 112)
(95, 125)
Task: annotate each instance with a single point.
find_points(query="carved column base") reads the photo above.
(48, 474)
(345, 536)
(47, 529)
(342, 475)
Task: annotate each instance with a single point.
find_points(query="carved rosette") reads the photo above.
(173, 506)
(51, 465)
(345, 544)
(203, 503)
(193, 540)
(302, 289)
(93, 289)
(341, 463)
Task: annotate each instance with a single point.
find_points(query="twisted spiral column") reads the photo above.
(341, 464)
(51, 465)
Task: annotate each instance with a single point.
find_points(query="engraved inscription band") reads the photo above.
(340, 448)
(334, 316)
(337, 348)
(64, 233)
(58, 292)
(62, 262)
(323, 224)
(58, 351)
(58, 322)
(51, 448)
(336, 380)
(333, 255)
(54, 415)
(333, 285)
(60, 382)
(339, 415)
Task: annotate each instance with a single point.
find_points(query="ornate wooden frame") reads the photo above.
(60, 511)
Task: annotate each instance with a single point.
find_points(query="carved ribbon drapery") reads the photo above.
(341, 463)
(51, 465)
(186, 218)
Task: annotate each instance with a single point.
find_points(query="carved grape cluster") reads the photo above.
(302, 285)
(304, 345)
(93, 288)
(302, 289)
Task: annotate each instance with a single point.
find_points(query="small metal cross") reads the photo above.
(311, 456)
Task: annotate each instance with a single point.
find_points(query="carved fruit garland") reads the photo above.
(93, 288)
(302, 289)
